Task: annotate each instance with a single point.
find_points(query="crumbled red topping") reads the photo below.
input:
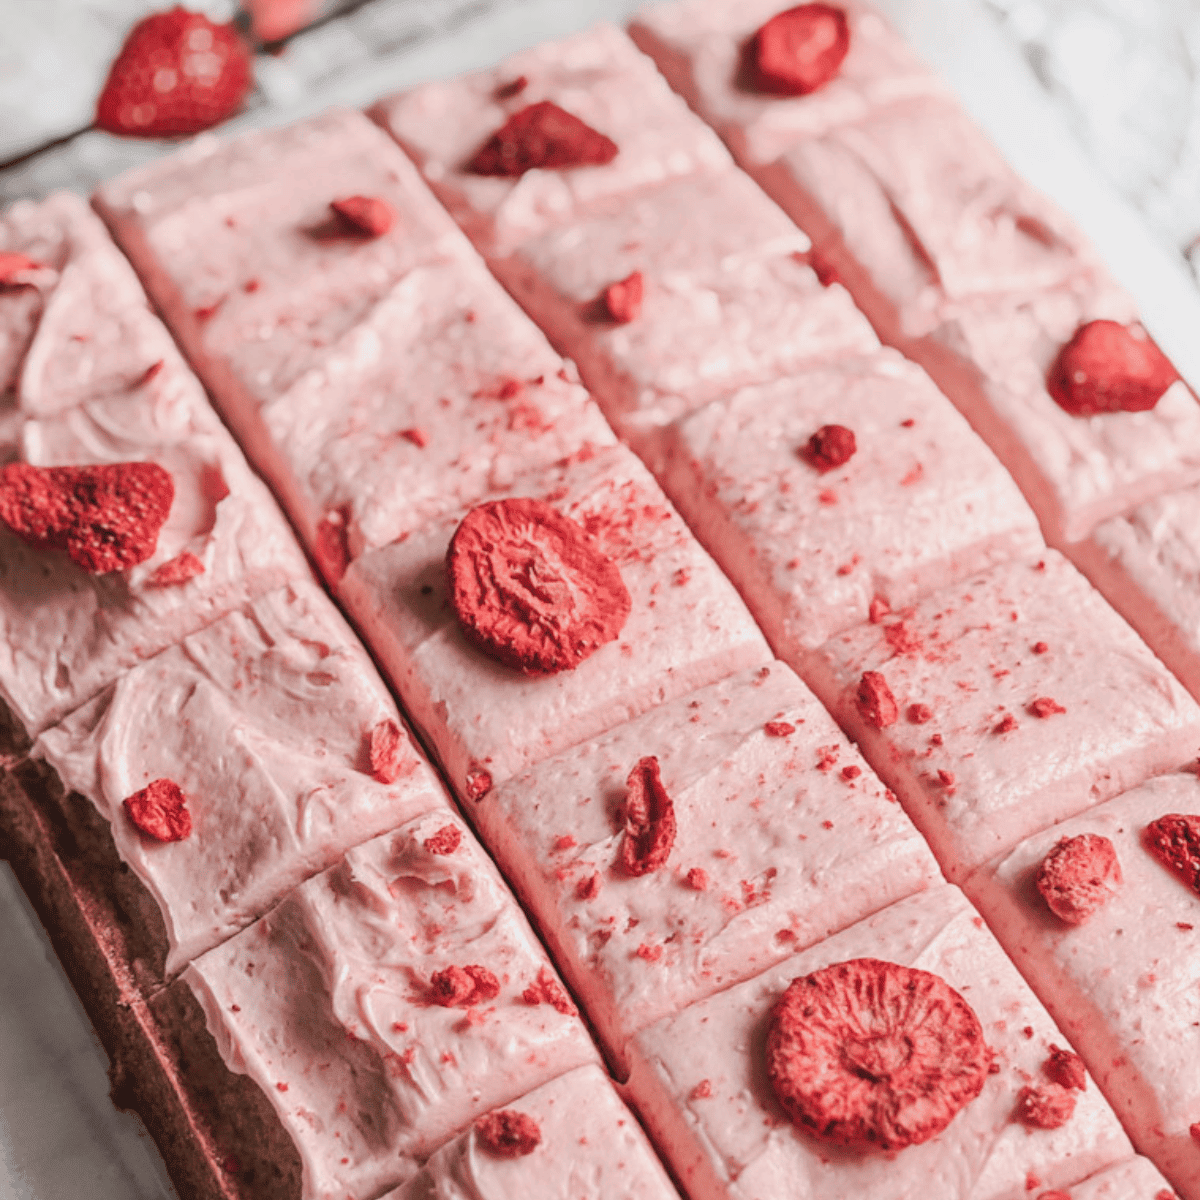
(832, 446)
(542, 136)
(649, 816)
(444, 841)
(779, 729)
(547, 990)
(1079, 876)
(478, 783)
(1006, 724)
(1107, 367)
(418, 437)
(1044, 707)
(1175, 841)
(875, 701)
(159, 810)
(697, 879)
(623, 299)
(367, 216)
(1066, 1068)
(387, 751)
(919, 714)
(702, 1091)
(878, 609)
(588, 888)
(871, 1053)
(508, 1134)
(800, 50)
(462, 987)
(531, 588)
(176, 571)
(1048, 1107)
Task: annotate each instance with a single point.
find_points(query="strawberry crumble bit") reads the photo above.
(177, 73)
(547, 990)
(779, 729)
(851, 772)
(541, 136)
(649, 817)
(444, 841)
(681, 577)
(1048, 1107)
(827, 757)
(826, 273)
(508, 1134)
(1174, 840)
(697, 879)
(588, 888)
(1006, 724)
(176, 571)
(461, 987)
(367, 216)
(281, 1087)
(902, 638)
(832, 446)
(531, 589)
(387, 751)
(1039, 647)
(159, 810)
(1107, 367)
(826, 496)
(623, 299)
(879, 608)
(479, 783)
(1066, 1068)
(800, 50)
(875, 702)
(418, 437)
(649, 953)
(702, 1091)
(870, 1053)
(946, 779)
(1079, 876)
(566, 842)
(1044, 707)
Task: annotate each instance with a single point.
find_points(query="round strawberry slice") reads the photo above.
(176, 74)
(1080, 875)
(870, 1053)
(800, 50)
(531, 588)
(1107, 367)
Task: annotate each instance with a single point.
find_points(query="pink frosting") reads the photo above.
(326, 1003)
(981, 769)
(592, 1148)
(1137, 1179)
(598, 76)
(921, 504)
(86, 393)
(264, 721)
(792, 833)
(687, 628)
(1125, 984)
(699, 1084)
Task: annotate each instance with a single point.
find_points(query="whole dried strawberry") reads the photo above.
(1107, 367)
(871, 1053)
(1080, 875)
(176, 74)
(800, 50)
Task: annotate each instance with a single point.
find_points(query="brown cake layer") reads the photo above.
(216, 1131)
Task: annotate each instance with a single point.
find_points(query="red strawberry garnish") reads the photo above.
(649, 820)
(1175, 841)
(1080, 875)
(508, 1134)
(368, 216)
(623, 299)
(177, 73)
(544, 136)
(800, 50)
(1108, 367)
(14, 269)
(159, 810)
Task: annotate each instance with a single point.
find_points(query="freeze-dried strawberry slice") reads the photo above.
(1048, 1107)
(1108, 367)
(177, 73)
(649, 820)
(159, 810)
(542, 136)
(1080, 875)
(508, 1134)
(105, 517)
(531, 588)
(623, 299)
(875, 701)
(13, 269)
(1175, 841)
(832, 446)
(387, 751)
(800, 50)
(866, 1053)
(462, 987)
(366, 215)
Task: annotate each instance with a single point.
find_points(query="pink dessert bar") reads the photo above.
(700, 1080)
(782, 836)
(101, 383)
(598, 77)
(1003, 704)
(1147, 564)
(374, 379)
(700, 46)
(387, 1004)
(686, 628)
(1137, 1179)
(1122, 976)
(814, 543)
(571, 1137)
(266, 721)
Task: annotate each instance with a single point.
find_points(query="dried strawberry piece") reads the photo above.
(478, 783)
(832, 446)
(545, 137)
(874, 1053)
(1080, 875)
(1048, 1107)
(508, 1134)
(332, 543)
(387, 752)
(1175, 841)
(875, 701)
(159, 810)
(1044, 707)
(462, 987)
(177, 73)
(105, 517)
(443, 841)
(779, 729)
(1066, 1068)
(1108, 367)
(547, 990)
(13, 266)
(623, 299)
(800, 50)
(176, 571)
(531, 588)
(367, 215)
(649, 820)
